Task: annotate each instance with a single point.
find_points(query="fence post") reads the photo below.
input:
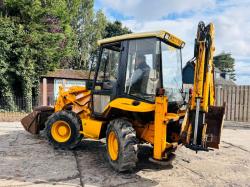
(218, 98)
(229, 104)
(245, 103)
(233, 104)
(248, 104)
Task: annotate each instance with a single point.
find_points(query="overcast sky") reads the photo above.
(180, 17)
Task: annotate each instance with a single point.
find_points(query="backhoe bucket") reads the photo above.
(214, 121)
(34, 122)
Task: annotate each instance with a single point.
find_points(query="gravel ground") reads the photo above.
(27, 160)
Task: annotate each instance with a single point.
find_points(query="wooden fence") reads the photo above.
(237, 100)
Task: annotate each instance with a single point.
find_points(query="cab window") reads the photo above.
(143, 70)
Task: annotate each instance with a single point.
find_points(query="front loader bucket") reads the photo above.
(214, 121)
(34, 122)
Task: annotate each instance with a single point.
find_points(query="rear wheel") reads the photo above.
(121, 145)
(63, 130)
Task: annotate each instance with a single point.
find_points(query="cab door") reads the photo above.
(105, 83)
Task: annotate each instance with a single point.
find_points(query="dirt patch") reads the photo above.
(11, 116)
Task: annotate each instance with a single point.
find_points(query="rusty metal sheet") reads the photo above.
(34, 122)
(30, 122)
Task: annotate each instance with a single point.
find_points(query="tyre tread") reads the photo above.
(75, 122)
(127, 140)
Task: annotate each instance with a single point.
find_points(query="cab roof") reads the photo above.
(164, 35)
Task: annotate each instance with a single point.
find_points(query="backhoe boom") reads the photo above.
(201, 130)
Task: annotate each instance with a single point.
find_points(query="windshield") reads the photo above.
(143, 68)
(171, 72)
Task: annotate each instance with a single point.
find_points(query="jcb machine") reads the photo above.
(136, 97)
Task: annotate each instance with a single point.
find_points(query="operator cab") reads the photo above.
(135, 66)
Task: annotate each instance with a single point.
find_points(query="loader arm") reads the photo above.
(76, 96)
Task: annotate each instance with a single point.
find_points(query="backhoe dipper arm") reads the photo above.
(203, 77)
(204, 121)
(203, 90)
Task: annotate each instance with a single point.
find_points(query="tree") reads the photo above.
(100, 22)
(115, 29)
(89, 27)
(6, 37)
(225, 62)
(36, 35)
(106, 29)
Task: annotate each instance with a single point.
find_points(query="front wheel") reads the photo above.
(121, 145)
(63, 130)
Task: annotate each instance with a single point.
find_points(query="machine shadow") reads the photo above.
(144, 153)
(94, 152)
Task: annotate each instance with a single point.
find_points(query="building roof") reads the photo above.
(224, 82)
(68, 74)
(159, 34)
(188, 73)
(188, 76)
(189, 64)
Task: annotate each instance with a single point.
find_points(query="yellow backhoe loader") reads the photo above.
(136, 97)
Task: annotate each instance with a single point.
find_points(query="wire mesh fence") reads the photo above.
(18, 104)
(19, 108)
(16, 109)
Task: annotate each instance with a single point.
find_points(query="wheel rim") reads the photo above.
(61, 131)
(112, 146)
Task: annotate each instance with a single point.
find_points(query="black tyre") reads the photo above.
(121, 145)
(63, 130)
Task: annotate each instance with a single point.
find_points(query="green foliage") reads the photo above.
(7, 36)
(100, 22)
(34, 37)
(89, 27)
(115, 29)
(37, 36)
(225, 62)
